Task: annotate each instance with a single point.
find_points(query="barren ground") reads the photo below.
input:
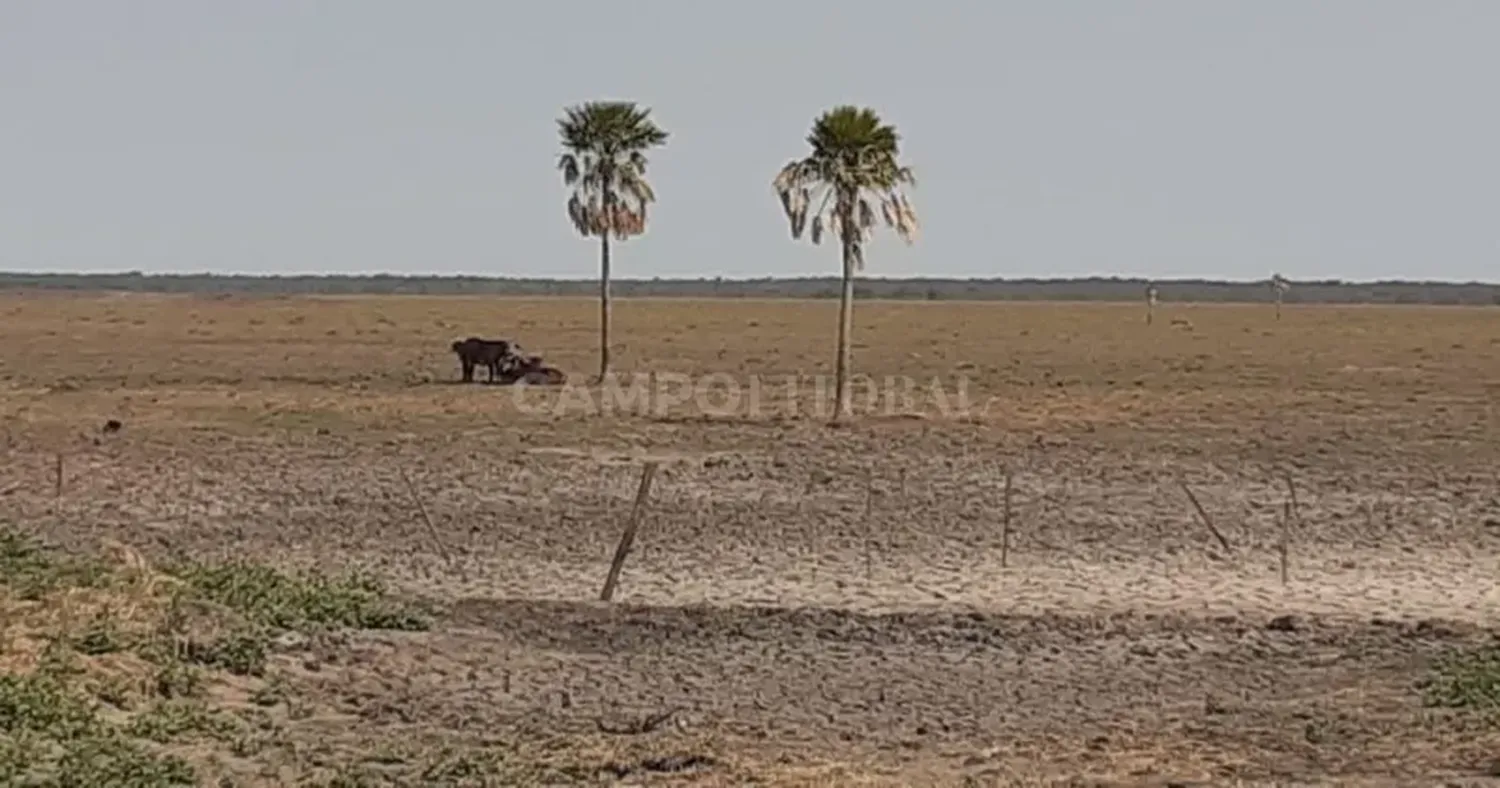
(815, 606)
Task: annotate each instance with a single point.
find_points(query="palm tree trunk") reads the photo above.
(846, 328)
(603, 306)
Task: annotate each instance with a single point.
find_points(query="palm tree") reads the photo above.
(851, 172)
(604, 163)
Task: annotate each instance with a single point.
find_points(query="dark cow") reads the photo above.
(492, 353)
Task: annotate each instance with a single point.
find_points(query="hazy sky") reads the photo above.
(1169, 138)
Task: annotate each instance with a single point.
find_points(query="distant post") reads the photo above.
(1279, 286)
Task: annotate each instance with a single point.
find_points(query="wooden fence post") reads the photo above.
(628, 537)
(1207, 521)
(1005, 524)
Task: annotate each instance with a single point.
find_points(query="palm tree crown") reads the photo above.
(852, 171)
(604, 162)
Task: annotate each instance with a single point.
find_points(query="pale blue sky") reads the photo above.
(1166, 138)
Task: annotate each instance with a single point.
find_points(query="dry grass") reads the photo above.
(817, 628)
(369, 362)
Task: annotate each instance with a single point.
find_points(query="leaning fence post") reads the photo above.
(1005, 524)
(628, 537)
(1203, 515)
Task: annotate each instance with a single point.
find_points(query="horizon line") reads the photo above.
(732, 280)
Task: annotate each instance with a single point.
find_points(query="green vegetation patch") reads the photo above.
(1466, 680)
(268, 597)
(30, 572)
(106, 669)
(53, 736)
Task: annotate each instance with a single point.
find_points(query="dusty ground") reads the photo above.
(816, 605)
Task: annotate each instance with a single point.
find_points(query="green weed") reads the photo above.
(32, 571)
(272, 598)
(1465, 680)
(176, 719)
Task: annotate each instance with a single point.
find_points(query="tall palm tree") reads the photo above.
(604, 163)
(851, 173)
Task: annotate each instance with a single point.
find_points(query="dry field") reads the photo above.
(813, 605)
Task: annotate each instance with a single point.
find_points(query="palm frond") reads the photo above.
(568, 163)
(578, 214)
(634, 186)
(826, 202)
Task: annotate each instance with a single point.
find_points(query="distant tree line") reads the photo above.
(919, 289)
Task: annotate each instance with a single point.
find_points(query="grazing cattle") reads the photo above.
(492, 353)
